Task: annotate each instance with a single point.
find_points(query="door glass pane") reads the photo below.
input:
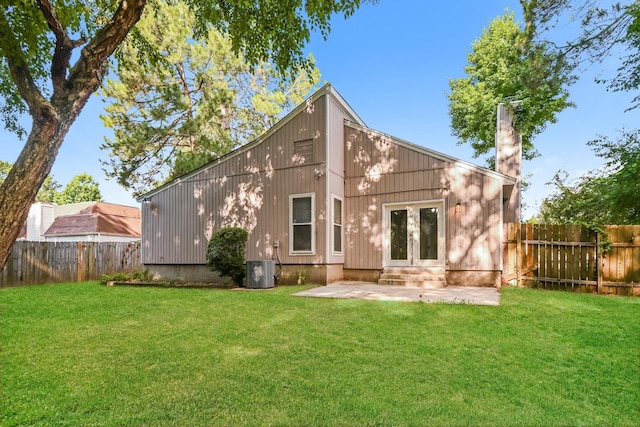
(429, 233)
(398, 235)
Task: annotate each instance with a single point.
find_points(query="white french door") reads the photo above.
(414, 234)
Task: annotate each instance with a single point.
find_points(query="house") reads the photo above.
(40, 218)
(335, 200)
(86, 221)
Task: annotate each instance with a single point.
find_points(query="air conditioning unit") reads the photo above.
(260, 274)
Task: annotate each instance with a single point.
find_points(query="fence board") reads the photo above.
(33, 263)
(568, 257)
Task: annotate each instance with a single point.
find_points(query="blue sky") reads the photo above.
(392, 63)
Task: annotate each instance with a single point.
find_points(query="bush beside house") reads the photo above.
(225, 253)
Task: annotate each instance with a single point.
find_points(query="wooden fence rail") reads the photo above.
(32, 263)
(570, 257)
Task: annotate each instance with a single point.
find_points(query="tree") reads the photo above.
(603, 32)
(507, 65)
(193, 103)
(81, 188)
(49, 191)
(37, 76)
(607, 196)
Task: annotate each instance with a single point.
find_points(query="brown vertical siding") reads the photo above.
(383, 170)
(335, 171)
(250, 188)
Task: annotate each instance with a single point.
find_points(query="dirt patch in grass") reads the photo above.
(169, 284)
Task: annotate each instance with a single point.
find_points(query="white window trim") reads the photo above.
(313, 223)
(333, 224)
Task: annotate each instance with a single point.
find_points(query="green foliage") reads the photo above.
(54, 56)
(627, 78)
(505, 65)
(607, 196)
(269, 30)
(81, 188)
(225, 253)
(605, 31)
(28, 24)
(193, 101)
(49, 192)
(5, 167)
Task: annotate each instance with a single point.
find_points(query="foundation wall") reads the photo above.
(362, 275)
(186, 273)
(315, 274)
(473, 278)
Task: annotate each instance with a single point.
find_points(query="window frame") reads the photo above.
(312, 224)
(334, 224)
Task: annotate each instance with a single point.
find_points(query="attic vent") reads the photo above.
(303, 151)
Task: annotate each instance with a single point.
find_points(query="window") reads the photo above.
(301, 231)
(337, 225)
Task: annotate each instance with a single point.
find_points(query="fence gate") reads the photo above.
(570, 257)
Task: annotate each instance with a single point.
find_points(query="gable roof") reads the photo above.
(506, 180)
(98, 218)
(327, 89)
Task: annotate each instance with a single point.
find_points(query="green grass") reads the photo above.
(86, 354)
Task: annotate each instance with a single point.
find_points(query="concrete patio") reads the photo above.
(372, 291)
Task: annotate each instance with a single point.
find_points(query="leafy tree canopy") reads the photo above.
(81, 188)
(605, 31)
(193, 102)
(54, 56)
(507, 65)
(49, 192)
(607, 196)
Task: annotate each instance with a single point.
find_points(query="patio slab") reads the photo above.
(372, 291)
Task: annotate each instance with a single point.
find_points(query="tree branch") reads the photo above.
(20, 71)
(64, 45)
(86, 75)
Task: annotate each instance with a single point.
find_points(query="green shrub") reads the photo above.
(225, 253)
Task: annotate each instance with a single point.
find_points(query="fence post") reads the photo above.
(518, 254)
(598, 264)
(80, 258)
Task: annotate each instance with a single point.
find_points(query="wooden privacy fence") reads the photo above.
(33, 263)
(571, 257)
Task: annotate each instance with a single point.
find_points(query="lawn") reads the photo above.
(86, 354)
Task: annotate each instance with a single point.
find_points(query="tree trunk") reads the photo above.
(25, 178)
